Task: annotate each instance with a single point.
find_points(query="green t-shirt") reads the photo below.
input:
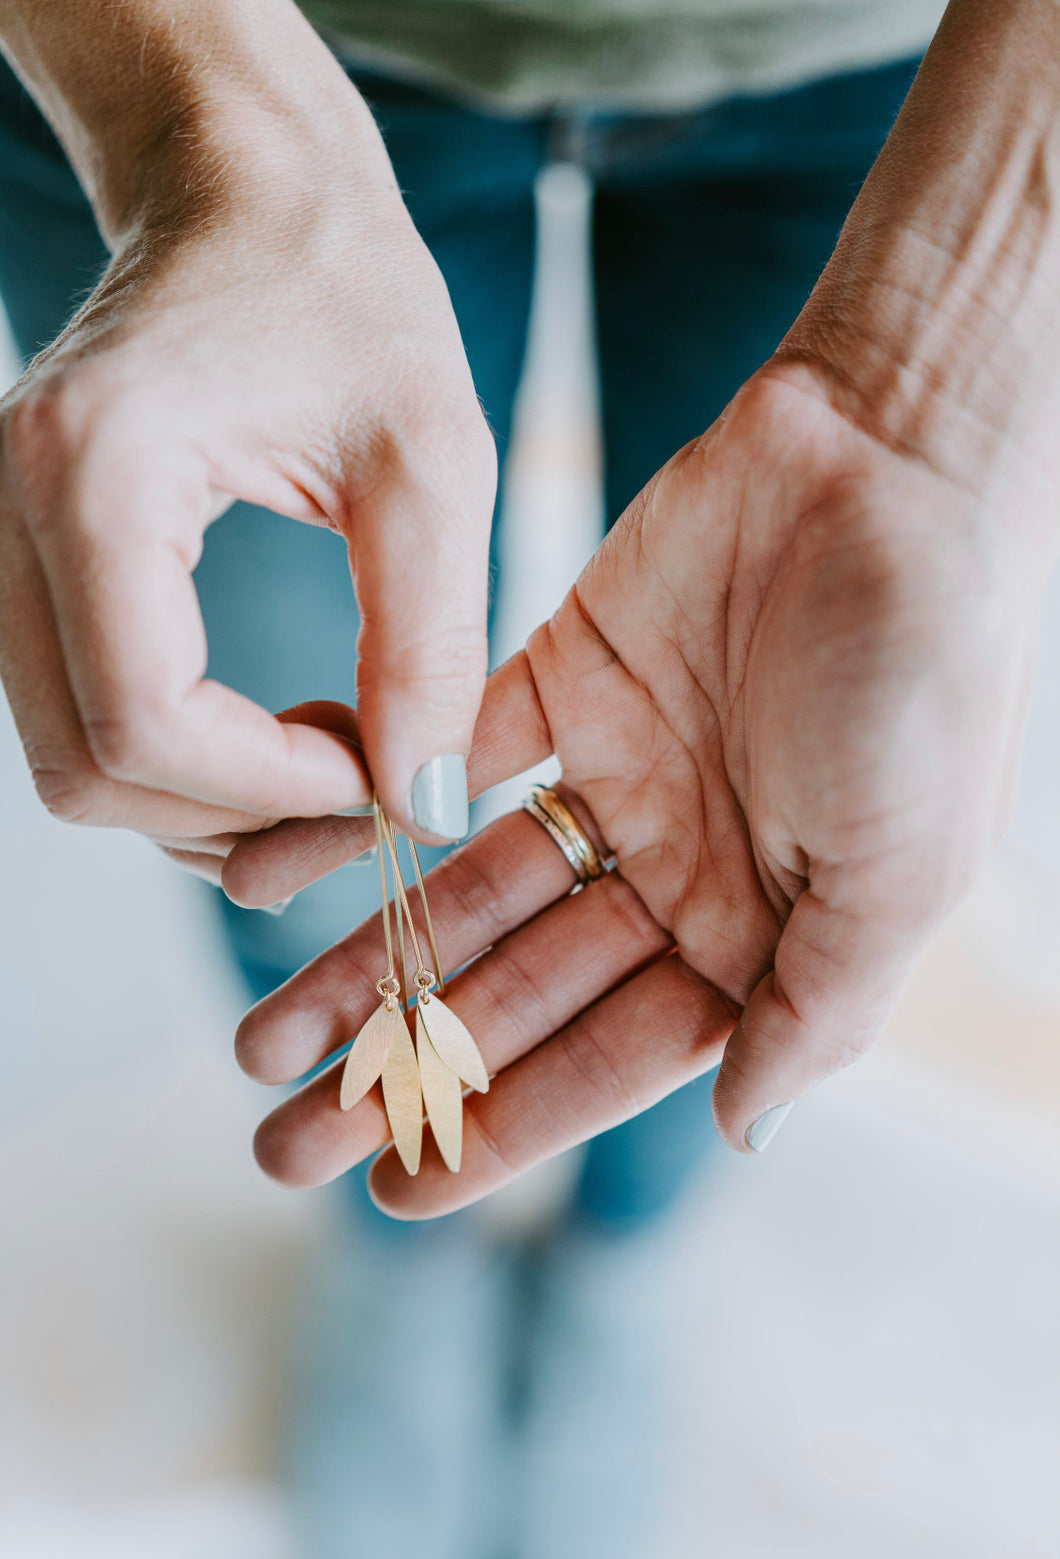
(665, 54)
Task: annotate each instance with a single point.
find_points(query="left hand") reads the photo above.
(271, 328)
(788, 692)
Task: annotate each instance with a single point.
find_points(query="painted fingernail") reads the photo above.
(761, 1131)
(364, 810)
(276, 909)
(439, 797)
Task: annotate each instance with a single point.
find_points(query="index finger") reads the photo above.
(511, 734)
(118, 543)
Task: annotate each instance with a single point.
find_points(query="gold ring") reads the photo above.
(559, 822)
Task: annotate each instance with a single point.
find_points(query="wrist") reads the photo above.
(938, 317)
(244, 155)
(939, 355)
(167, 126)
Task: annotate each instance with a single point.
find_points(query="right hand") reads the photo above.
(280, 334)
(788, 690)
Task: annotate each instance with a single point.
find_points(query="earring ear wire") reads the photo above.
(427, 917)
(425, 978)
(445, 1056)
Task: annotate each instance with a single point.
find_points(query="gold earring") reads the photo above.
(383, 1048)
(445, 1054)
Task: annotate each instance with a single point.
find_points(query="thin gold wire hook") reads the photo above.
(384, 886)
(425, 977)
(388, 987)
(427, 917)
(403, 973)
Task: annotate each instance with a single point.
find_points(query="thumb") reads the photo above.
(420, 559)
(840, 966)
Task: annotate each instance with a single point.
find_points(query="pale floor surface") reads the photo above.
(871, 1361)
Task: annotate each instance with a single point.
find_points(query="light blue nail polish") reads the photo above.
(362, 811)
(761, 1131)
(276, 909)
(439, 797)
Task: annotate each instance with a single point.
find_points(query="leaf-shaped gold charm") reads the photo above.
(403, 1100)
(442, 1095)
(368, 1055)
(453, 1043)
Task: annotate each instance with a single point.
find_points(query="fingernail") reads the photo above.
(761, 1132)
(439, 797)
(276, 909)
(362, 811)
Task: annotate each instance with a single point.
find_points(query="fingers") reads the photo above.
(299, 850)
(117, 526)
(201, 863)
(69, 781)
(840, 966)
(511, 735)
(530, 984)
(291, 856)
(511, 732)
(625, 1053)
(479, 894)
(419, 549)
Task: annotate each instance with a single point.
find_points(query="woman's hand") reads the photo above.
(270, 328)
(789, 688)
(787, 692)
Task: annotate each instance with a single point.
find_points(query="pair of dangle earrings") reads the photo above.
(432, 1072)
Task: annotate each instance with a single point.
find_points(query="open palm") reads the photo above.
(787, 692)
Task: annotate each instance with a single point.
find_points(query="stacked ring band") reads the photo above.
(559, 822)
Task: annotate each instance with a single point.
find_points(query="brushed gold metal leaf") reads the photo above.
(443, 1096)
(453, 1043)
(369, 1052)
(403, 1100)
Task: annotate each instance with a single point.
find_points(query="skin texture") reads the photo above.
(788, 690)
(794, 799)
(786, 693)
(270, 328)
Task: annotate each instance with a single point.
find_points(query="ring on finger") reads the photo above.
(559, 822)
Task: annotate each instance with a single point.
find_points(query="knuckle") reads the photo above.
(47, 413)
(477, 441)
(843, 1050)
(125, 747)
(475, 885)
(448, 666)
(61, 434)
(507, 1166)
(72, 793)
(518, 1003)
(628, 913)
(30, 422)
(30, 446)
(446, 429)
(589, 1049)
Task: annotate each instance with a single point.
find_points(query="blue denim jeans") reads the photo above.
(709, 229)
